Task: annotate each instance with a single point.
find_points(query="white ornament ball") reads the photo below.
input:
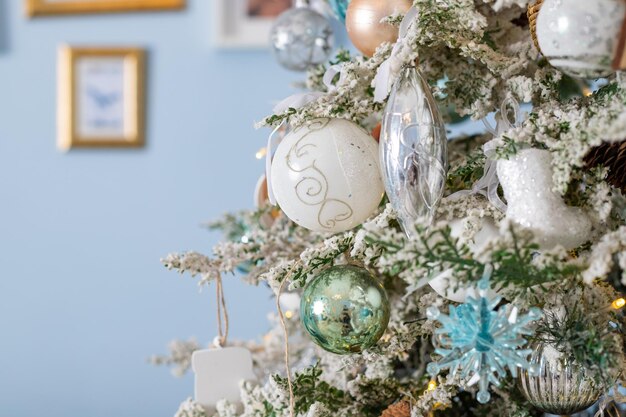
(326, 176)
(526, 180)
(580, 37)
(445, 284)
(487, 231)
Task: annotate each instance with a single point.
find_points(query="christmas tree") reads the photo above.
(488, 281)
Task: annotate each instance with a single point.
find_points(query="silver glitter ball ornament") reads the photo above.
(301, 38)
(556, 385)
(580, 37)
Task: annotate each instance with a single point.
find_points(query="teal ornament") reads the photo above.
(245, 267)
(345, 309)
(479, 342)
(237, 232)
(339, 8)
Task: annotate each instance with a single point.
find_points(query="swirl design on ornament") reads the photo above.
(312, 189)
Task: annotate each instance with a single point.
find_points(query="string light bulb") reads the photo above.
(432, 385)
(619, 303)
(289, 314)
(260, 154)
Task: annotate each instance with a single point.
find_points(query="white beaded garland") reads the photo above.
(326, 176)
(580, 37)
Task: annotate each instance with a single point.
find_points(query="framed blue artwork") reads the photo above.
(101, 97)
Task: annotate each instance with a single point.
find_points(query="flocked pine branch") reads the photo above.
(482, 54)
(475, 53)
(571, 129)
(179, 357)
(513, 255)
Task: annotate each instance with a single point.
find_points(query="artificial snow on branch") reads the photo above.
(475, 54)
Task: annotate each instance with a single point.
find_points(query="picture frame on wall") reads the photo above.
(245, 23)
(36, 8)
(101, 97)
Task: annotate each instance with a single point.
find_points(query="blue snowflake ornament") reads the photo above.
(479, 342)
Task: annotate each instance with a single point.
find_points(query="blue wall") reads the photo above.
(83, 298)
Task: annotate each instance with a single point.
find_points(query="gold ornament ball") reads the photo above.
(363, 22)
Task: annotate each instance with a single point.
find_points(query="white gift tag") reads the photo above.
(219, 373)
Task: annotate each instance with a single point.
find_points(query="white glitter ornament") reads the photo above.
(580, 37)
(325, 175)
(526, 180)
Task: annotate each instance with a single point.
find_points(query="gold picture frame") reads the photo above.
(45, 7)
(101, 97)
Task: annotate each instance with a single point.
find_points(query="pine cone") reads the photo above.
(613, 157)
(400, 409)
(533, 12)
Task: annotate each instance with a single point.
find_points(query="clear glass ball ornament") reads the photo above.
(579, 37)
(345, 309)
(556, 385)
(301, 38)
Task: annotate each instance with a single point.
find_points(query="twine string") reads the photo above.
(286, 336)
(222, 312)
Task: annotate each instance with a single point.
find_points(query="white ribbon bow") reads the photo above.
(300, 100)
(272, 142)
(393, 64)
(297, 101)
(488, 184)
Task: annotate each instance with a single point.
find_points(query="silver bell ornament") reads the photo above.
(581, 37)
(413, 150)
(301, 38)
(556, 384)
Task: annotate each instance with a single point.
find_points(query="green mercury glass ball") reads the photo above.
(345, 309)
